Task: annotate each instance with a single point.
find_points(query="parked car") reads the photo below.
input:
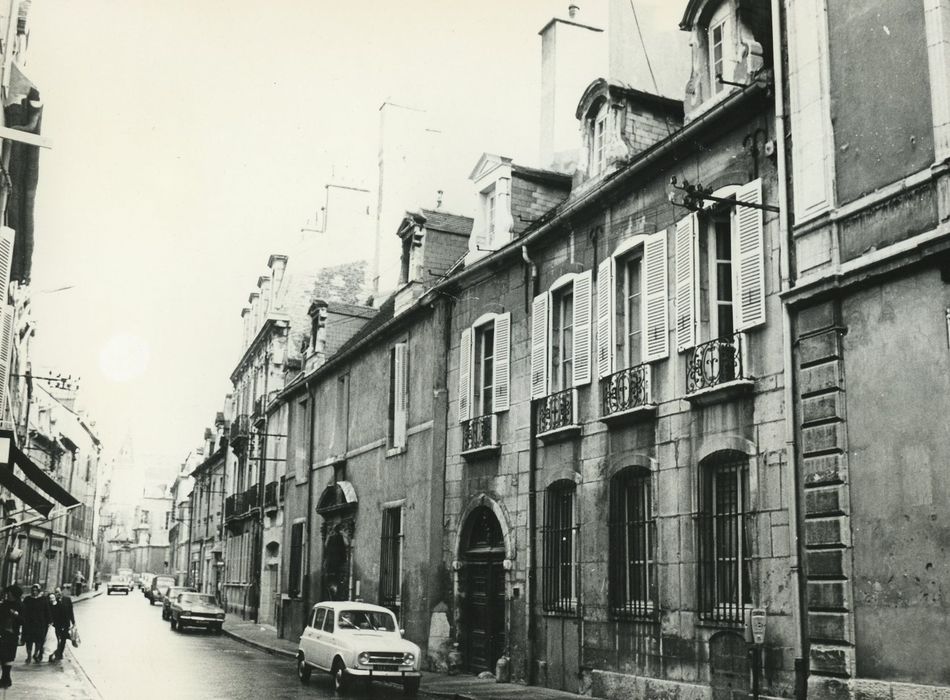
(118, 582)
(354, 641)
(196, 610)
(158, 586)
(146, 583)
(169, 595)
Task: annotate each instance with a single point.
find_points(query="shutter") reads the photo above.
(6, 348)
(6, 259)
(465, 376)
(582, 313)
(686, 286)
(748, 277)
(539, 346)
(605, 317)
(501, 380)
(400, 417)
(656, 317)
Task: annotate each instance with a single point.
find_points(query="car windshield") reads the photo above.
(118, 579)
(366, 620)
(200, 598)
(163, 582)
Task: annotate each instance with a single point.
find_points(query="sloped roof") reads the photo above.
(446, 222)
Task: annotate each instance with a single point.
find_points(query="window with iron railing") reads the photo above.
(724, 524)
(632, 545)
(390, 565)
(557, 411)
(558, 535)
(715, 363)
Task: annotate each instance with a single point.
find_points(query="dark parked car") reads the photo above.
(170, 595)
(196, 610)
(159, 585)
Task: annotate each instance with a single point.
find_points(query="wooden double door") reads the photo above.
(483, 593)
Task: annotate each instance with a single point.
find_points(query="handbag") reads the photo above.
(74, 636)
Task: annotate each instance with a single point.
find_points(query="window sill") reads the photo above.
(480, 452)
(721, 392)
(631, 415)
(709, 619)
(566, 433)
(395, 451)
(560, 613)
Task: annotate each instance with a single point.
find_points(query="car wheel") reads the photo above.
(303, 669)
(217, 629)
(341, 682)
(410, 687)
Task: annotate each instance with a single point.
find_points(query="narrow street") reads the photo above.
(129, 652)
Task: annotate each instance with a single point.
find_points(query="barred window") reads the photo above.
(724, 540)
(632, 545)
(390, 564)
(558, 536)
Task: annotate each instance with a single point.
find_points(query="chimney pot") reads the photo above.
(573, 9)
(438, 200)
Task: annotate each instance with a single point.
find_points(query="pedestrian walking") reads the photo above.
(78, 582)
(10, 621)
(36, 622)
(61, 613)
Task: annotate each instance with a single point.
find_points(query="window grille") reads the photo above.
(390, 565)
(632, 545)
(558, 536)
(724, 540)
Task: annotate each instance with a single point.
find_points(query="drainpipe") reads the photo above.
(785, 247)
(532, 504)
(311, 397)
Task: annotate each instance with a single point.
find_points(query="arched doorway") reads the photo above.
(337, 506)
(482, 623)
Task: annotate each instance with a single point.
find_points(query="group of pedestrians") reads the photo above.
(27, 621)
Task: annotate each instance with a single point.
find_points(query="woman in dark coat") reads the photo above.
(35, 623)
(61, 613)
(10, 617)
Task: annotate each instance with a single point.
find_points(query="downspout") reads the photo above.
(311, 397)
(532, 505)
(785, 247)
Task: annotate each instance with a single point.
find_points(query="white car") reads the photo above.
(119, 582)
(357, 641)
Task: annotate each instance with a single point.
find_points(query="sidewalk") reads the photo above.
(44, 680)
(463, 687)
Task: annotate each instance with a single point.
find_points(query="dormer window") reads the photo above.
(489, 200)
(598, 137)
(721, 51)
(493, 223)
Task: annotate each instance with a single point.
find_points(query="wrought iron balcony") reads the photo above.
(557, 413)
(229, 506)
(252, 497)
(479, 434)
(240, 427)
(719, 363)
(627, 392)
(270, 495)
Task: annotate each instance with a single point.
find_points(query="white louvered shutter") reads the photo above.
(539, 345)
(605, 317)
(7, 236)
(656, 316)
(582, 314)
(6, 350)
(748, 278)
(400, 413)
(686, 287)
(465, 376)
(500, 398)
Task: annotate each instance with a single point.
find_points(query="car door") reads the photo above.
(308, 640)
(327, 646)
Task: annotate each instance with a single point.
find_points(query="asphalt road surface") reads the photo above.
(130, 653)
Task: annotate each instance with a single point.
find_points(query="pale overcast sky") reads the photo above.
(192, 138)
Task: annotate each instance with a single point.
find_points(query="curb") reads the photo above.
(257, 645)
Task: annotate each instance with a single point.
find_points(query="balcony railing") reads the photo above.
(240, 427)
(479, 434)
(626, 391)
(557, 412)
(715, 363)
(229, 506)
(270, 495)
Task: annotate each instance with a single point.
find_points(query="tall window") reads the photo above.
(720, 275)
(484, 368)
(598, 150)
(725, 559)
(559, 548)
(490, 215)
(632, 545)
(629, 311)
(398, 395)
(562, 338)
(390, 564)
(295, 573)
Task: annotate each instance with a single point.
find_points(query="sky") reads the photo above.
(193, 138)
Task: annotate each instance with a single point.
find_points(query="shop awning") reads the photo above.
(34, 490)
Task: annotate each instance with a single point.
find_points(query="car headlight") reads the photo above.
(220, 616)
(186, 612)
(363, 659)
(408, 659)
